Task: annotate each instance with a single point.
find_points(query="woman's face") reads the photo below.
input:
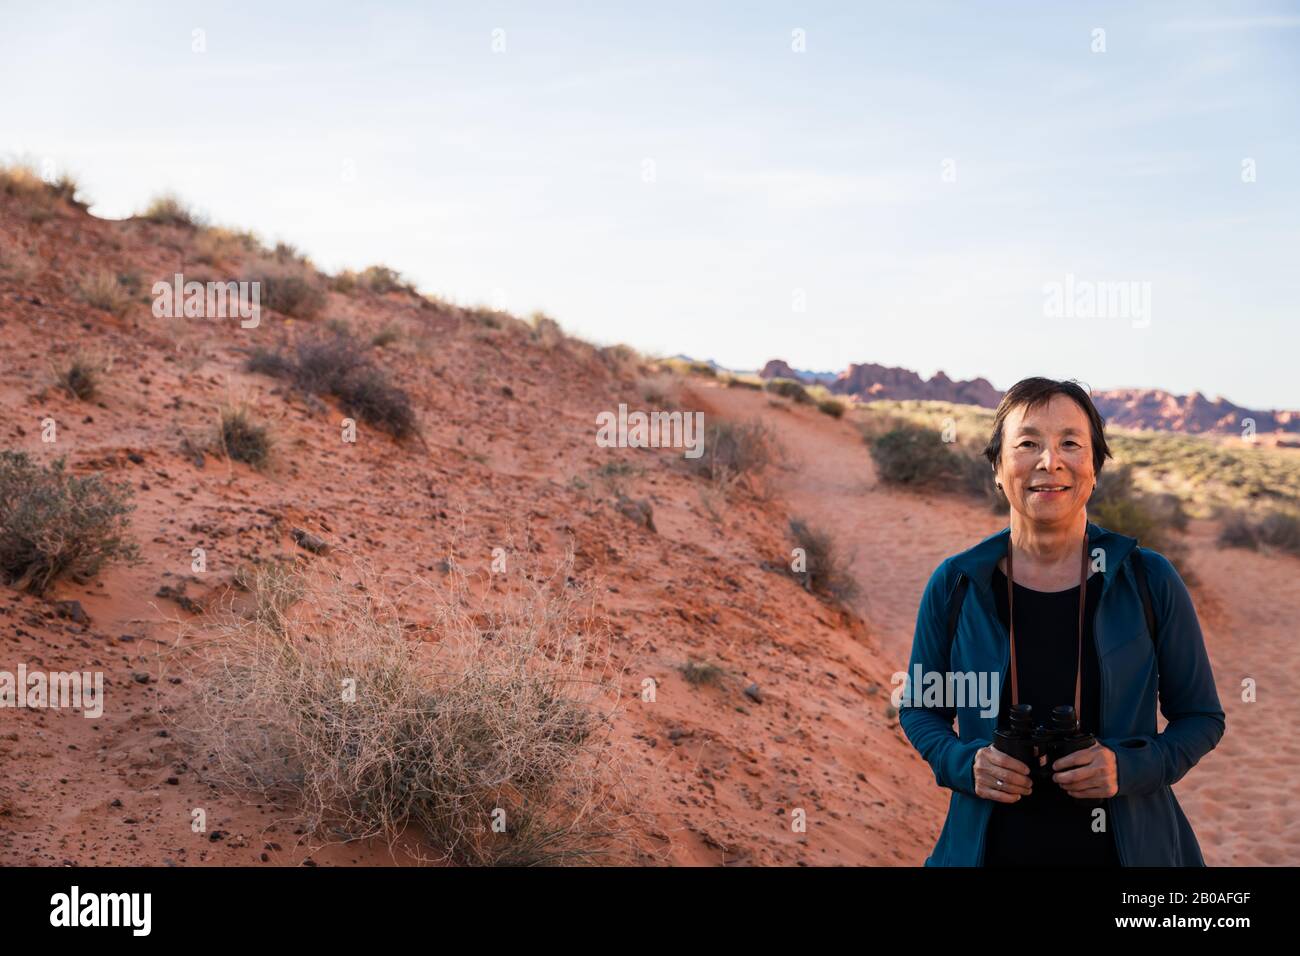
(1046, 462)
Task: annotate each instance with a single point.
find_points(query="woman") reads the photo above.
(1071, 593)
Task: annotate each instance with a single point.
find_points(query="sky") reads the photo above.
(909, 184)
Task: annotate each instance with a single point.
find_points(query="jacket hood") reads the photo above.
(978, 562)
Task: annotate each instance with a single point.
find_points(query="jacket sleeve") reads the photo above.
(1188, 698)
(930, 729)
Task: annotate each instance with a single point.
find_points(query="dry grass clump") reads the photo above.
(53, 524)
(480, 732)
(698, 673)
(377, 279)
(545, 331)
(105, 290)
(214, 245)
(826, 570)
(168, 210)
(42, 197)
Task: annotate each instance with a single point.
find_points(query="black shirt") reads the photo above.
(1048, 827)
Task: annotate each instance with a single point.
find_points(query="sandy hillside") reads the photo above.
(508, 456)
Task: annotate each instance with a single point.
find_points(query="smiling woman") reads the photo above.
(1059, 612)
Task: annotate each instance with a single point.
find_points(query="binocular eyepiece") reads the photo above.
(1027, 742)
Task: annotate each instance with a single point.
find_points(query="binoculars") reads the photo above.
(1028, 743)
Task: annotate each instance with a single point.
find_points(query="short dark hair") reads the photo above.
(1035, 392)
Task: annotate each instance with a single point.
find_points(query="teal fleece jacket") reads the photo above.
(1149, 826)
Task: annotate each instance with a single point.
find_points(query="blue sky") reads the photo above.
(520, 176)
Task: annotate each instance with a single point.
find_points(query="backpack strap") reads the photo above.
(1140, 573)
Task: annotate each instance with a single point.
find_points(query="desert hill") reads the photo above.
(771, 701)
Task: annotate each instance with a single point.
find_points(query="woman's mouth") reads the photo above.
(1049, 491)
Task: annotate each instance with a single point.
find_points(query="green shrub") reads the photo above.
(53, 524)
(914, 455)
(833, 407)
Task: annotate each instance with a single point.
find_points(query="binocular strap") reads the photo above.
(1011, 618)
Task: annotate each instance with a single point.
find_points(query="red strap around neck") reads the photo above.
(1011, 618)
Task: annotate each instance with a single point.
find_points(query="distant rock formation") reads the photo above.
(1194, 413)
(1149, 408)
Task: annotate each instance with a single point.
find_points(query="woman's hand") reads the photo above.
(1000, 777)
(1087, 774)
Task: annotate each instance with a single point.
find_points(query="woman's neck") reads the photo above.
(1047, 546)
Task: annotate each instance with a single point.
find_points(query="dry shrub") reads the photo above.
(735, 450)
(826, 569)
(104, 290)
(79, 375)
(241, 438)
(53, 524)
(789, 388)
(661, 391)
(336, 365)
(833, 407)
(622, 360)
(288, 285)
(365, 725)
(1276, 529)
